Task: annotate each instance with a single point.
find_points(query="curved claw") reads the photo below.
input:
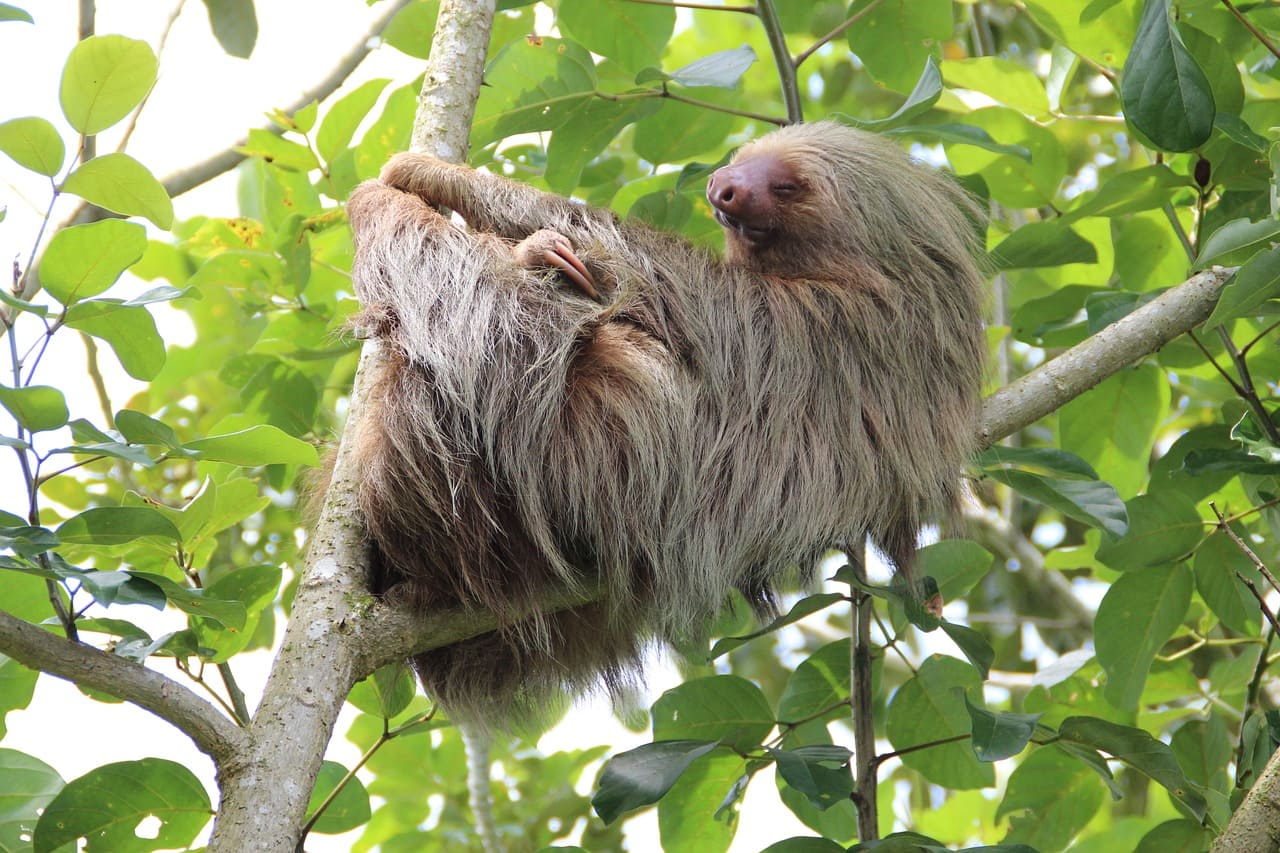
(562, 257)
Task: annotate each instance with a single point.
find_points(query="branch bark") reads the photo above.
(1138, 334)
(265, 796)
(37, 649)
(1255, 825)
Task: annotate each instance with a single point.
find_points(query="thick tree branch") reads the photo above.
(36, 648)
(264, 799)
(1138, 334)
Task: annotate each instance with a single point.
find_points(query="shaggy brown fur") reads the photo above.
(713, 423)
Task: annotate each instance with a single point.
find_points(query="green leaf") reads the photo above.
(1114, 426)
(257, 445)
(923, 96)
(999, 736)
(679, 131)
(342, 119)
(412, 28)
(27, 786)
(279, 151)
(692, 815)
(1236, 242)
(533, 86)
(804, 844)
(115, 525)
(1093, 502)
(1253, 284)
(198, 602)
(974, 645)
(120, 183)
(138, 428)
(819, 772)
(1176, 836)
(723, 708)
(818, 684)
(1049, 799)
(1220, 569)
(1042, 244)
(1129, 192)
(84, 260)
(804, 607)
(106, 805)
(109, 588)
(893, 44)
(640, 776)
(1163, 527)
(956, 564)
(585, 134)
(962, 134)
(234, 24)
(1136, 618)
(928, 709)
(13, 13)
(35, 407)
(1137, 749)
(1165, 94)
(131, 332)
(723, 70)
(632, 34)
(33, 143)
(348, 810)
(1007, 82)
(104, 79)
(395, 687)
(1047, 460)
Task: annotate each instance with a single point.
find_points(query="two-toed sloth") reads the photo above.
(702, 426)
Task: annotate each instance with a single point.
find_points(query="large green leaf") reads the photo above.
(106, 805)
(129, 329)
(632, 34)
(342, 119)
(894, 38)
(641, 776)
(122, 184)
(718, 707)
(929, 708)
(35, 407)
(1091, 501)
(1050, 798)
(1114, 425)
(27, 786)
(104, 79)
(1163, 527)
(34, 143)
(235, 25)
(1136, 618)
(1253, 284)
(346, 811)
(997, 736)
(115, 525)
(258, 445)
(1166, 96)
(820, 683)
(84, 260)
(1139, 750)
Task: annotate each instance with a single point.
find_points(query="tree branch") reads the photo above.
(321, 655)
(1140, 333)
(37, 649)
(224, 161)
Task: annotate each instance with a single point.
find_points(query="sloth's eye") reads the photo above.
(784, 190)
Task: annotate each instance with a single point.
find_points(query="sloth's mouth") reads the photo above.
(752, 234)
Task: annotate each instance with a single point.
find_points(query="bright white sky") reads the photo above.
(203, 102)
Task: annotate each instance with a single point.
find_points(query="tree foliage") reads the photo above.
(1101, 679)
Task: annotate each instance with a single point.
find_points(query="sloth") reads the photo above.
(570, 402)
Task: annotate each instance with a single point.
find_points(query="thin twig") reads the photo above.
(898, 753)
(1244, 547)
(1246, 390)
(835, 33)
(1258, 34)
